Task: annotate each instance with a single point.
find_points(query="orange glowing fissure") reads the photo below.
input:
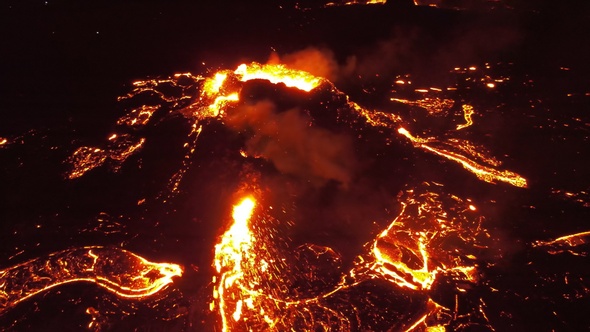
(119, 271)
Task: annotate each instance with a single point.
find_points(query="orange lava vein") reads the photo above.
(570, 240)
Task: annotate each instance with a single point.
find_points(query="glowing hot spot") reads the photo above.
(214, 84)
(243, 212)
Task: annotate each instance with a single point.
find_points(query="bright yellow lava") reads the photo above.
(277, 73)
(213, 85)
(235, 244)
(238, 238)
(243, 212)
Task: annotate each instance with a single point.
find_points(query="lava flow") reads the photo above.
(258, 287)
(251, 287)
(487, 174)
(121, 272)
(234, 246)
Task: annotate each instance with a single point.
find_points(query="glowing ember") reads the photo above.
(582, 197)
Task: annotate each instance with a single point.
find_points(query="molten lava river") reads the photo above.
(298, 206)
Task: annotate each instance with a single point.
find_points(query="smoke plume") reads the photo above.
(293, 144)
(316, 61)
(424, 50)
